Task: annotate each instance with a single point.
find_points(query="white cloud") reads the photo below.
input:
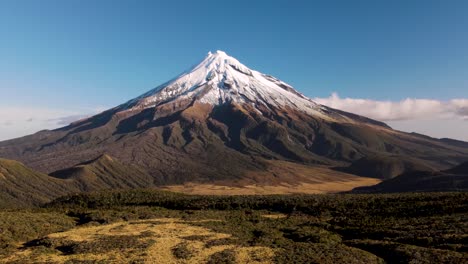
(20, 121)
(412, 115)
(407, 109)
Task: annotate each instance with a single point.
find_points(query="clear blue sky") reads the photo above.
(89, 53)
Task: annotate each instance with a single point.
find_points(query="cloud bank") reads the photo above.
(431, 117)
(407, 109)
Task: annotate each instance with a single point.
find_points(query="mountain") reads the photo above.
(223, 123)
(455, 179)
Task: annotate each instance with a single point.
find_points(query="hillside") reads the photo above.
(21, 186)
(455, 179)
(461, 169)
(385, 167)
(104, 172)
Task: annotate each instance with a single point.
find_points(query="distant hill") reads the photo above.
(454, 142)
(455, 179)
(461, 169)
(21, 186)
(104, 172)
(385, 167)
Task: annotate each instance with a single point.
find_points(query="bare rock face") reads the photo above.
(223, 122)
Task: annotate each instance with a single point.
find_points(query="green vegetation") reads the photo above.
(350, 228)
(98, 246)
(223, 257)
(26, 225)
(181, 251)
(21, 186)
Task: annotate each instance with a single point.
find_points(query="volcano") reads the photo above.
(223, 123)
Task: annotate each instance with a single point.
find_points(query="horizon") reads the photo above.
(62, 61)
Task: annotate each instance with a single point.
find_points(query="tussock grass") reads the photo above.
(133, 241)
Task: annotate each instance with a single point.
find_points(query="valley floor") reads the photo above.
(283, 188)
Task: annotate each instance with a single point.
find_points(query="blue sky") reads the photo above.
(72, 57)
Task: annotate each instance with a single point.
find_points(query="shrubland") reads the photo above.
(342, 228)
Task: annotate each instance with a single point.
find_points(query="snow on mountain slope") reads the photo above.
(221, 79)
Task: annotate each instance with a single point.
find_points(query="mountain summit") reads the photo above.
(223, 123)
(221, 79)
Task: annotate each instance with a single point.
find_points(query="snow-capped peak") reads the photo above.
(221, 79)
